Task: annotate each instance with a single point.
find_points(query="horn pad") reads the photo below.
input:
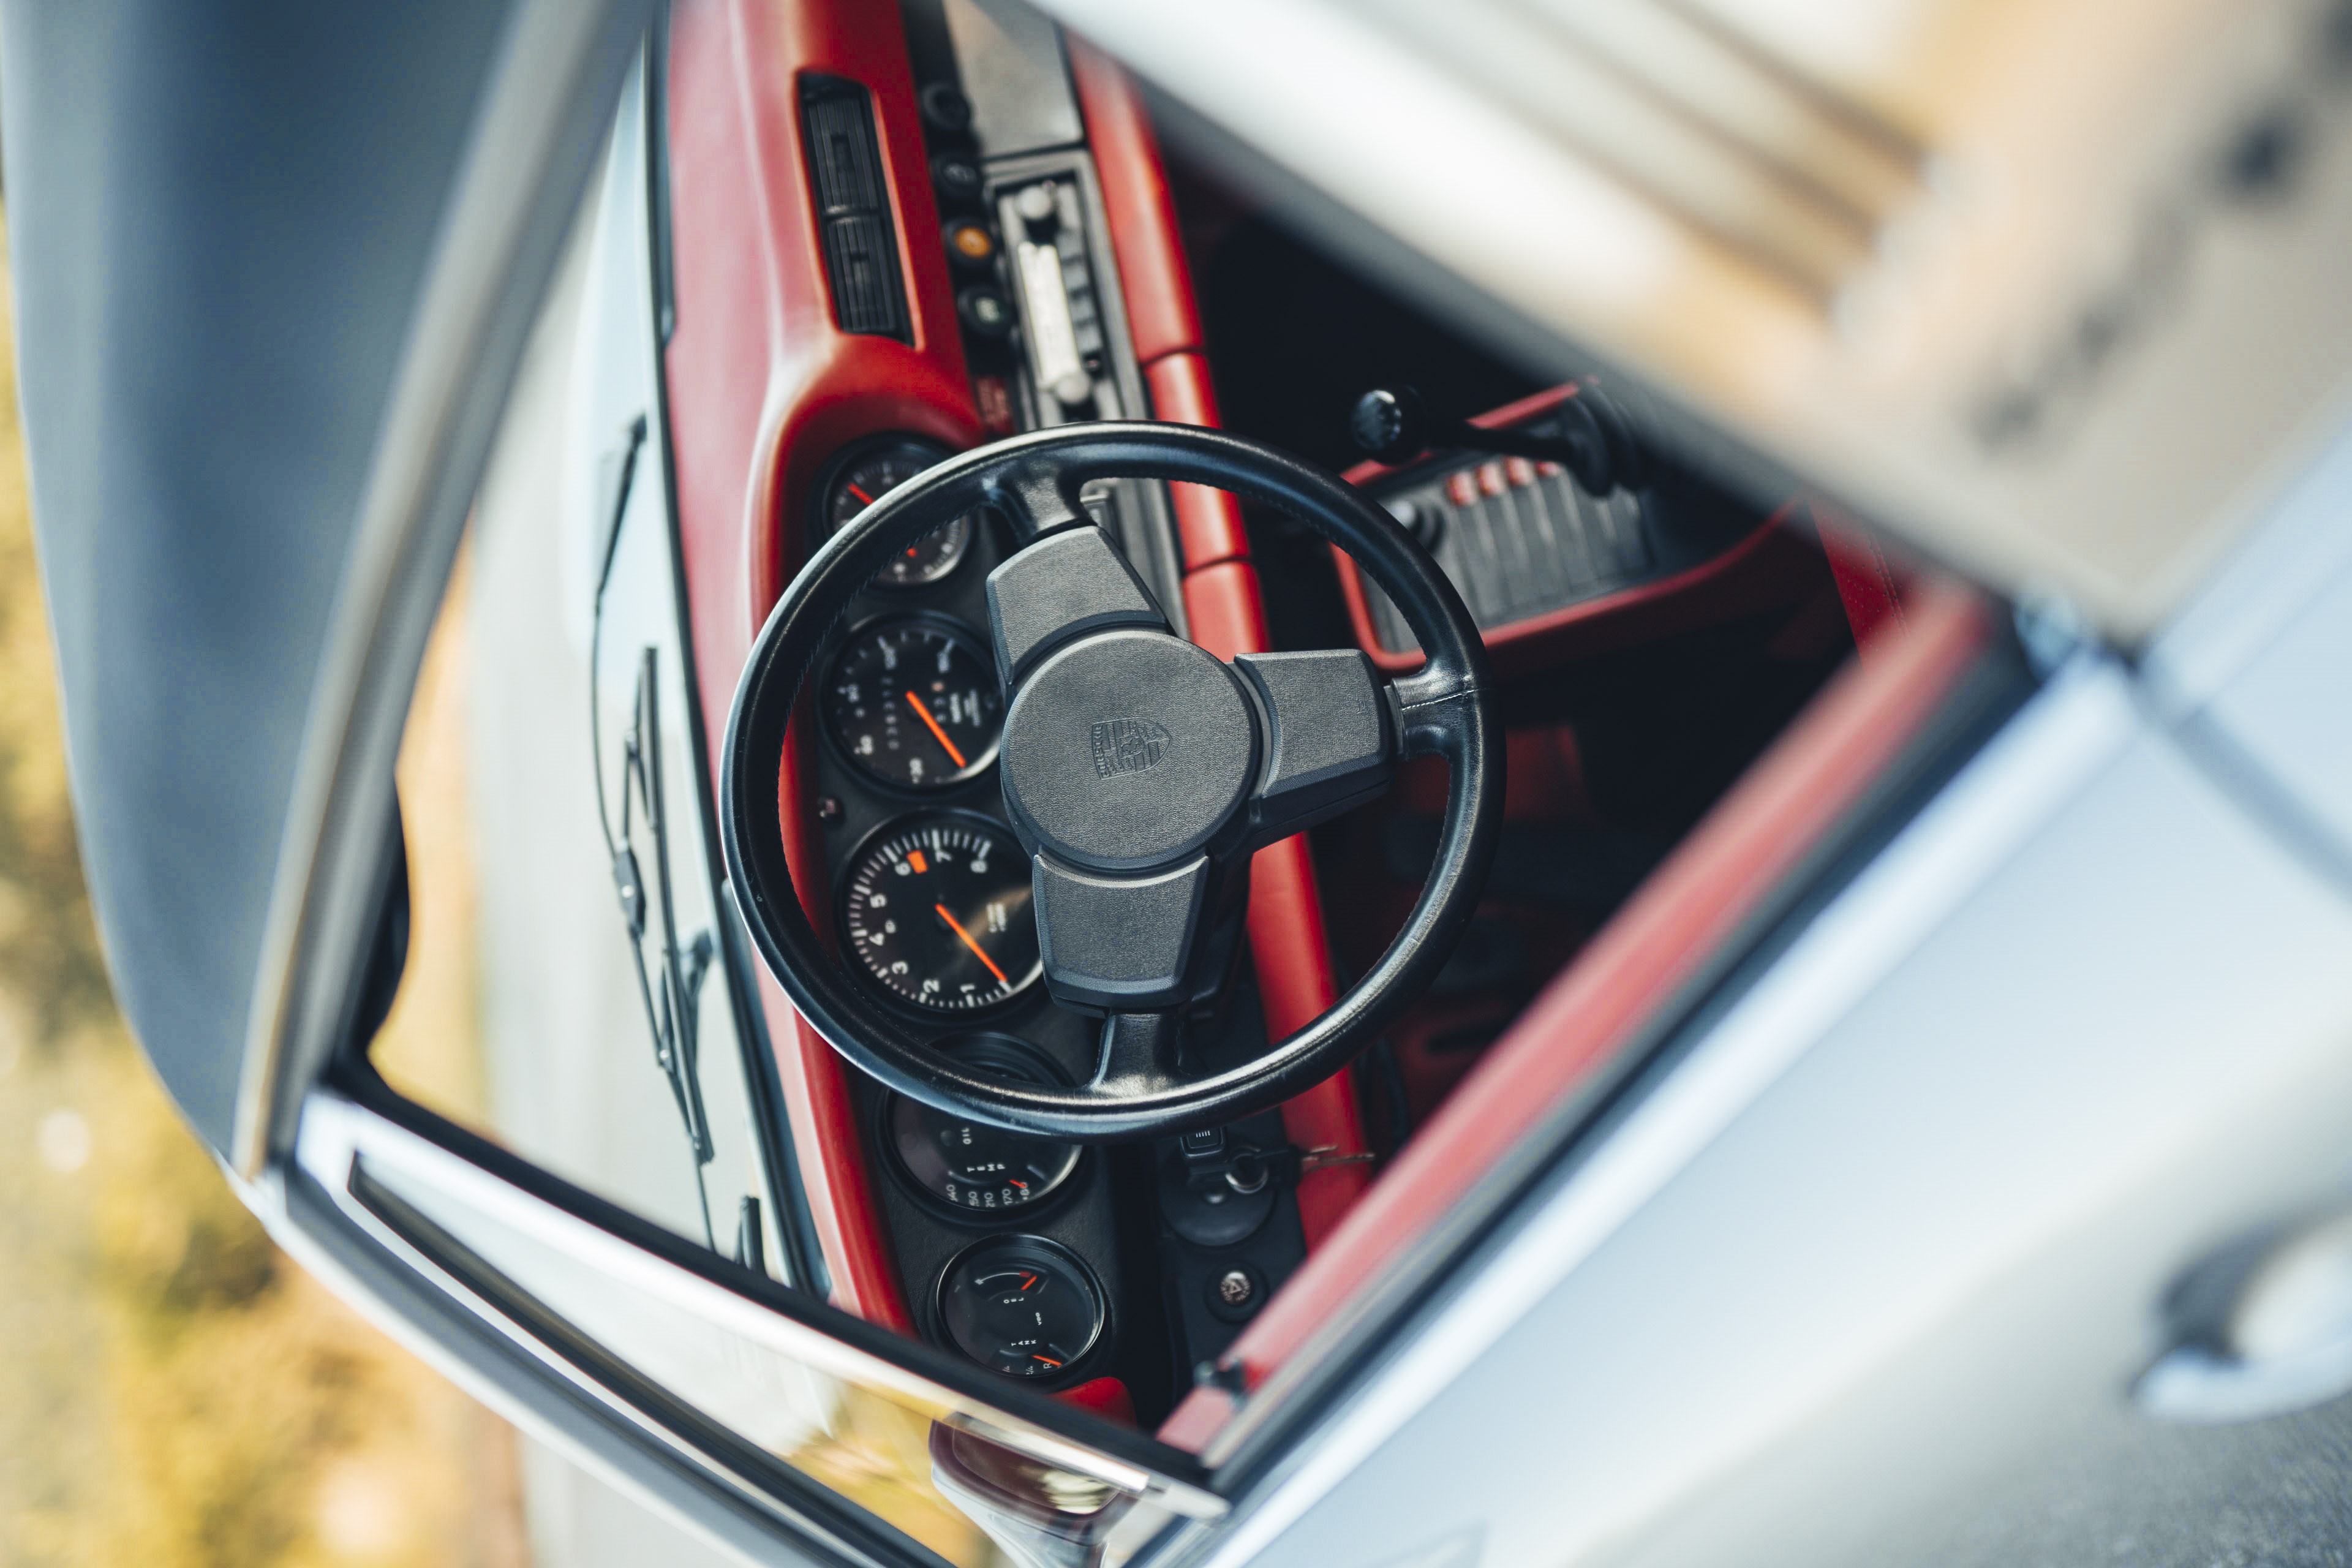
(1127, 751)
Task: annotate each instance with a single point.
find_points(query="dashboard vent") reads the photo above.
(862, 255)
(860, 238)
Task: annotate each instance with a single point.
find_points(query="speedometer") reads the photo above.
(937, 913)
(914, 702)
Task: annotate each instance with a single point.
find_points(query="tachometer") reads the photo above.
(873, 475)
(937, 913)
(915, 703)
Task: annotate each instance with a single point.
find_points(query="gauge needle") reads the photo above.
(863, 500)
(1049, 1361)
(957, 926)
(937, 733)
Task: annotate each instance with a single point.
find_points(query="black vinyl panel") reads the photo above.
(861, 239)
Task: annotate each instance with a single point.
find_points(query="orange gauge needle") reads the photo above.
(937, 733)
(1049, 1361)
(1029, 1283)
(863, 500)
(957, 926)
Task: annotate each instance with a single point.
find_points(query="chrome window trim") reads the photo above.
(371, 1267)
(340, 1137)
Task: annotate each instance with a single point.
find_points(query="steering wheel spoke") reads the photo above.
(1332, 737)
(1036, 496)
(1436, 708)
(1137, 1053)
(1118, 942)
(1063, 586)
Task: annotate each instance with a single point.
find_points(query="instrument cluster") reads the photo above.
(932, 915)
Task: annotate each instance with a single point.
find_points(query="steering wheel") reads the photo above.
(1139, 772)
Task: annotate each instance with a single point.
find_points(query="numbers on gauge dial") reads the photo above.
(937, 913)
(870, 478)
(968, 1165)
(916, 704)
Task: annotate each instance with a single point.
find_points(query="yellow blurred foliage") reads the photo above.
(174, 1393)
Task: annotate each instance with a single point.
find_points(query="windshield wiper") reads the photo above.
(672, 1000)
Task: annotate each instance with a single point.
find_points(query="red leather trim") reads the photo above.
(764, 389)
(1223, 606)
(1199, 1417)
(1154, 277)
(1208, 522)
(1867, 583)
(1106, 1396)
(1296, 983)
(1155, 281)
(1714, 882)
(1769, 567)
(826, 1142)
(1296, 987)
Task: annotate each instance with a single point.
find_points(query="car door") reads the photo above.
(1991, 1209)
(1947, 1202)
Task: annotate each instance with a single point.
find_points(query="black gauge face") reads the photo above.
(938, 913)
(915, 703)
(968, 1165)
(876, 474)
(1021, 1306)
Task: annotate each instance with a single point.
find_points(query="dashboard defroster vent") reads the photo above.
(853, 208)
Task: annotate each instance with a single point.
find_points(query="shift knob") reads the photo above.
(1391, 425)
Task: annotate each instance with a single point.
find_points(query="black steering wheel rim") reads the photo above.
(1445, 707)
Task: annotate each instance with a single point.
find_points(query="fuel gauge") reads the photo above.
(1021, 1306)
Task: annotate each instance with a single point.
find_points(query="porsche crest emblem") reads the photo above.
(1128, 746)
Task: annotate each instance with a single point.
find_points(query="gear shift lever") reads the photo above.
(1392, 424)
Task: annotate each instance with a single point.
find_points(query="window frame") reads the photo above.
(354, 1219)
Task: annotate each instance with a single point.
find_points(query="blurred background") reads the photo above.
(174, 1390)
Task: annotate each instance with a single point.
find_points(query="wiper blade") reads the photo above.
(673, 999)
